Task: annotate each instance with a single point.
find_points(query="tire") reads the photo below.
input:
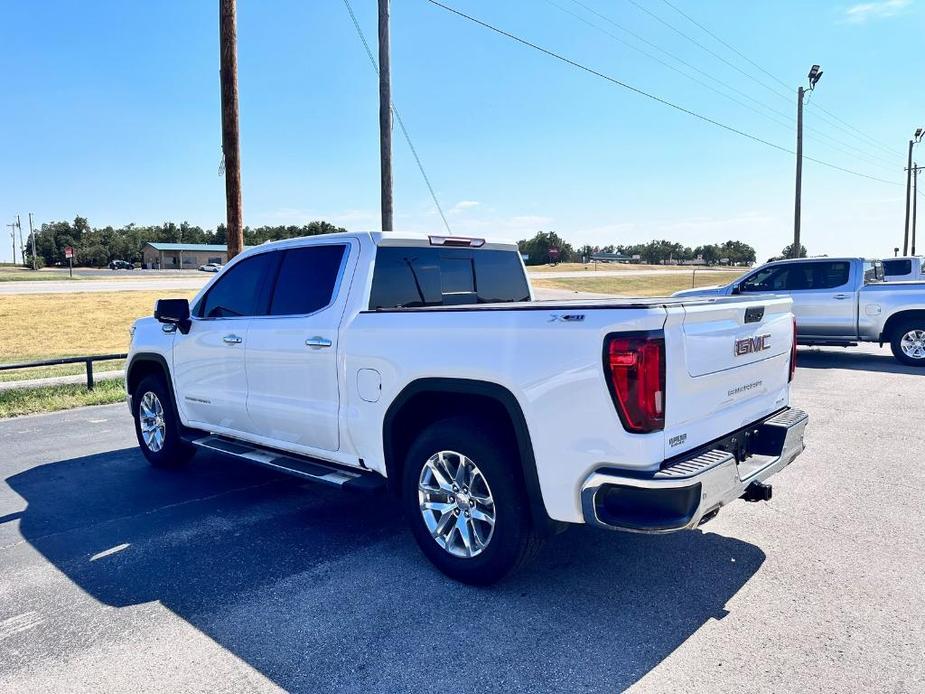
(908, 342)
(493, 467)
(167, 450)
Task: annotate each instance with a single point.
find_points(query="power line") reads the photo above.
(646, 94)
(732, 48)
(819, 136)
(401, 122)
(716, 55)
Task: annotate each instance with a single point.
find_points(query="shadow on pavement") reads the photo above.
(324, 591)
(847, 358)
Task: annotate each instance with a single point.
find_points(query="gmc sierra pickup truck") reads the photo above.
(422, 365)
(840, 302)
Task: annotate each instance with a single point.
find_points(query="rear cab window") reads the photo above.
(415, 276)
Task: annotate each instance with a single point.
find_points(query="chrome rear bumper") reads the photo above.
(687, 491)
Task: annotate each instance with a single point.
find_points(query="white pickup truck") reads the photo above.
(422, 365)
(840, 302)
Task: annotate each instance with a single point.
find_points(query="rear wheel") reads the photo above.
(157, 426)
(465, 503)
(908, 342)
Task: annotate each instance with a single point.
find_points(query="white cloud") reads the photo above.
(464, 205)
(879, 9)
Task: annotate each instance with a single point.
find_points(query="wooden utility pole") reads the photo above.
(798, 197)
(32, 237)
(385, 117)
(231, 149)
(22, 251)
(908, 193)
(915, 192)
(13, 239)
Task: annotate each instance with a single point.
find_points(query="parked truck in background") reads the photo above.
(840, 302)
(905, 269)
(421, 365)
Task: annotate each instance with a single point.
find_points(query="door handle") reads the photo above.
(318, 342)
(841, 296)
(231, 340)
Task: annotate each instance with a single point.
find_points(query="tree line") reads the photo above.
(548, 246)
(96, 247)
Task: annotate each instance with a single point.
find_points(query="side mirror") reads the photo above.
(736, 289)
(174, 312)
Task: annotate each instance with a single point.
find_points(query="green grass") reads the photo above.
(14, 403)
(24, 275)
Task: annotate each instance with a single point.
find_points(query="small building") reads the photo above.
(182, 256)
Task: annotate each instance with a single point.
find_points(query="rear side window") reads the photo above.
(897, 267)
(828, 275)
(407, 277)
(306, 280)
(241, 290)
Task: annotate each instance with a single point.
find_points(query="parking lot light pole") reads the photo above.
(815, 74)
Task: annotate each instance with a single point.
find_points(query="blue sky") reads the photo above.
(111, 111)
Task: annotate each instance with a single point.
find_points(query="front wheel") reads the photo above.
(157, 426)
(465, 502)
(908, 342)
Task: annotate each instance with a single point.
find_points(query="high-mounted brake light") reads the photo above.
(793, 352)
(462, 241)
(635, 367)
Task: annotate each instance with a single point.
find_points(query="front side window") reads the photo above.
(306, 280)
(767, 280)
(241, 290)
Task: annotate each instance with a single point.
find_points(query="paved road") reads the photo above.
(118, 284)
(167, 280)
(222, 577)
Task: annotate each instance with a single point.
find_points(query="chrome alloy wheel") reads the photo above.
(151, 422)
(456, 504)
(913, 344)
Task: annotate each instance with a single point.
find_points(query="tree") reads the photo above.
(96, 247)
(537, 248)
(788, 251)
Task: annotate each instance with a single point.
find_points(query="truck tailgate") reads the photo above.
(728, 365)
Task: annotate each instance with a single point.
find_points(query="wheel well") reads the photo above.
(896, 319)
(424, 402)
(141, 368)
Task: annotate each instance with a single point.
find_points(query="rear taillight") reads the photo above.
(635, 367)
(793, 352)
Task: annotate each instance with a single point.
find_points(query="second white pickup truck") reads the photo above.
(422, 364)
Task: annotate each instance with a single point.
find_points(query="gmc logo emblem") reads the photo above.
(748, 345)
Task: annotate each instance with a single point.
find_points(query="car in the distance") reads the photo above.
(904, 269)
(211, 267)
(120, 265)
(839, 302)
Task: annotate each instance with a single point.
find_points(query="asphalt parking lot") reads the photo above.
(223, 577)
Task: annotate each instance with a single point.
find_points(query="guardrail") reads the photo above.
(88, 360)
